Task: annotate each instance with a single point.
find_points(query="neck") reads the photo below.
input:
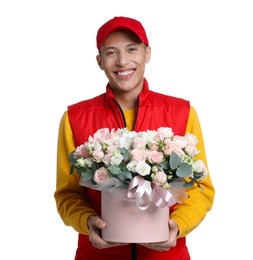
(126, 102)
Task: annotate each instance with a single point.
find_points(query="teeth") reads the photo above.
(125, 73)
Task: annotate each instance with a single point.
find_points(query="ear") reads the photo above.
(148, 54)
(99, 62)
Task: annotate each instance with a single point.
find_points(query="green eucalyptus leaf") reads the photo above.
(122, 176)
(94, 166)
(79, 170)
(188, 184)
(114, 169)
(197, 175)
(184, 170)
(174, 161)
(128, 174)
(71, 157)
(124, 153)
(72, 168)
(165, 165)
(122, 166)
(87, 175)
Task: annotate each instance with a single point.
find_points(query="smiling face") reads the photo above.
(123, 58)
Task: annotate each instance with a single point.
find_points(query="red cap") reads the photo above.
(121, 23)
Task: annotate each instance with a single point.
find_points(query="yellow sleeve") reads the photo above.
(189, 214)
(69, 195)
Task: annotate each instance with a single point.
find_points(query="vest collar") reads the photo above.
(112, 98)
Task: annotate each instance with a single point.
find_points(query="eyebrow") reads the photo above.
(128, 45)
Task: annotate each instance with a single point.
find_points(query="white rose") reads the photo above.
(180, 140)
(116, 159)
(125, 142)
(81, 162)
(149, 135)
(143, 168)
(88, 162)
(131, 166)
(200, 167)
(192, 139)
(166, 131)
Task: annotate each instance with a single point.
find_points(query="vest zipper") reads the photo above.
(121, 112)
(136, 112)
(133, 251)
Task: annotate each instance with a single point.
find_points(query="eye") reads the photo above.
(132, 49)
(110, 52)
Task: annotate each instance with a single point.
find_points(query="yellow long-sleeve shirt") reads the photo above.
(75, 211)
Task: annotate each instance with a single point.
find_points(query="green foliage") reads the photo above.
(87, 175)
(189, 184)
(184, 170)
(124, 153)
(157, 166)
(165, 165)
(120, 171)
(114, 169)
(175, 161)
(72, 168)
(71, 157)
(125, 175)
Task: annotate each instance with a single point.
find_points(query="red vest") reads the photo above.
(153, 110)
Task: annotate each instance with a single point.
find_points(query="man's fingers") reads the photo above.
(99, 223)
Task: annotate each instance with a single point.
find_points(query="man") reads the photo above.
(124, 50)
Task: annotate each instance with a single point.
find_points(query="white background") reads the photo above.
(202, 51)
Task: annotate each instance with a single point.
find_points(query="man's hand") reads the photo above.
(166, 245)
(95, 224)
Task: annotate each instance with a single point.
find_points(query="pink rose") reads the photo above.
(155, 157)
(101, 175)
(191, 150)
(153, 147)
(103, 134)
(159, 178)
(179, 152)
(139, 143)
(98, 155)
(138, 155)
(81, 151)
(173, 147)
(107, 159)
(169, 147)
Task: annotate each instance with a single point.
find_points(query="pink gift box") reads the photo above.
(126, 223)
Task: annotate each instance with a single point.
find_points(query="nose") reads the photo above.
(122, 59)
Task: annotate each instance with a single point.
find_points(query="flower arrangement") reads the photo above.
(158, 157)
